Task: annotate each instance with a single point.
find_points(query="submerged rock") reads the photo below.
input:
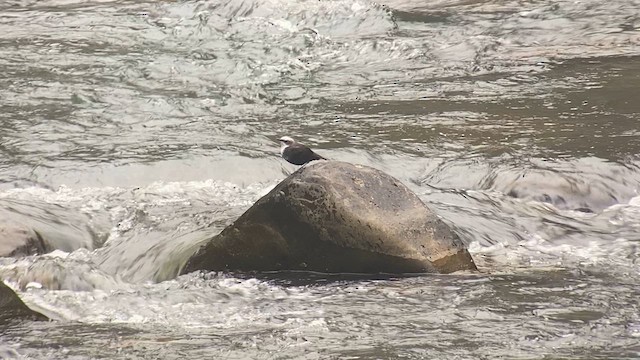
(562, 191)
(336, 217)
(16, 240)
(12, 307)
(30, 227)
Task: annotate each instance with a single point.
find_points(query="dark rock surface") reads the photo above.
(12, 307)
(336, 217)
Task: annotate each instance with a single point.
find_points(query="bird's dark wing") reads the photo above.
(298, 154)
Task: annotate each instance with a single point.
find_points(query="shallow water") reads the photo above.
(137, 129)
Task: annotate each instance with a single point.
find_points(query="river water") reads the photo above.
(135, 129)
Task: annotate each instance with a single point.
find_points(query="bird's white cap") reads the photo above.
(287, 139)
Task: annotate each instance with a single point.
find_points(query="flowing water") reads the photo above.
(132, 130)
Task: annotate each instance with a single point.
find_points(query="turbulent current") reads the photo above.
(133, 130)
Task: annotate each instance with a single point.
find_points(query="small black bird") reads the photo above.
(297, 153)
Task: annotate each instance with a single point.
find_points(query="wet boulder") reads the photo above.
(12, 307)
(336, 217)
(17, 240)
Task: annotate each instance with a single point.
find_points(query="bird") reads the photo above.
(296, 153)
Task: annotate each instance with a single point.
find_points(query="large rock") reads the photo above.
(336, 217)
(12, 307)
